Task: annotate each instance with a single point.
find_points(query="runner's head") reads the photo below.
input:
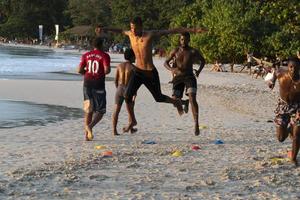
(184, 39)
(294, 67)
(98, 43)
(136, 26)
(129, 55)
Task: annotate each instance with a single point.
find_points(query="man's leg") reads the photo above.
(131, 118)
(115, 118)
(296, 143)
(195, 111)
(87, 120)
(134, 84)
(153, 85)
(99, 108)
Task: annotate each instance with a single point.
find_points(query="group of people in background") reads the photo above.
(129, 77)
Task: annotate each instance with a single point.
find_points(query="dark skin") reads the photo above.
(123, 73)
(184, 58)
(141, 43)
(289, 89)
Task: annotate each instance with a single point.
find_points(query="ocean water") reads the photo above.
(20, 113)
(15, 60)
(19, 62)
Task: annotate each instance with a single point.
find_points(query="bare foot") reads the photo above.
(129, 127)
(89, 135)
(133, 130)
(186, 107)
(178, 105)
(197, 130)
(115, 133)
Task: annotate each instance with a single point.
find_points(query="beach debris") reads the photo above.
(218, 141)
(290, 154)
(177, 153)
(107, 154)
(148, 142)
(278, 160)
(99, 147)
(201, 127)
(195, 147)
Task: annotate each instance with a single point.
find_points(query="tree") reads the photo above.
(89, 12)
(24, 16)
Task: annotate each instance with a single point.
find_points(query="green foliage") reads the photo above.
(234, 26)
(238, 26)
(24, 16)
(89, 12)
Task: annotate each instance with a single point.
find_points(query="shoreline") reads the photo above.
(54, 161)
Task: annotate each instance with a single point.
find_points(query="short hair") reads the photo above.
(98, 43)
(186, 34)
(294, 60)
(129, 54)
(137, 21)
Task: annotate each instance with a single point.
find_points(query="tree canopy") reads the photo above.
(234, 26)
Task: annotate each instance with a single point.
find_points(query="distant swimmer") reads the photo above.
(145, 72)
(94, 66)
(184, 79)
(287, 118)
(123, 73)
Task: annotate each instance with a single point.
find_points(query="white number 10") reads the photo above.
(93, 66)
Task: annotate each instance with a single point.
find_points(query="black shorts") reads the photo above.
(189, 83)
(150, 79)
(96, 98)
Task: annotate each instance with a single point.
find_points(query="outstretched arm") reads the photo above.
(99, 30)
(177, 30)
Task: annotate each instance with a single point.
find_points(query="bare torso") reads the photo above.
(184, 60)
(142, 47)
(124, 72)
(289, 90)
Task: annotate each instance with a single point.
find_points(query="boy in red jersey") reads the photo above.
(94, 66)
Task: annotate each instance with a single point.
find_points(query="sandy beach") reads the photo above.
(54, 162)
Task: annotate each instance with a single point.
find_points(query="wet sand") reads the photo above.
(54, 161)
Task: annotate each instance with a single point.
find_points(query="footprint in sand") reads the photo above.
(98, 177)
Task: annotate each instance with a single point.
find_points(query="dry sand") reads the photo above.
(54, 161)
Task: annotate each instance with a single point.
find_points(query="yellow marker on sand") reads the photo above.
(177, 153)
(99, 147)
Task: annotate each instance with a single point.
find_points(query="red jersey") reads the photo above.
(94, 62)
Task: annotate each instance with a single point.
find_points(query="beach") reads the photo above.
(53, 161)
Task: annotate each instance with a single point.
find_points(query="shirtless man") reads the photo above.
(184, 58)
(145, 71)
(287, 118)
(123, 73)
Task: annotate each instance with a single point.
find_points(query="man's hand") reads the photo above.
(200, 30)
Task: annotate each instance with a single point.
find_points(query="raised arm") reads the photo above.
(177, 30)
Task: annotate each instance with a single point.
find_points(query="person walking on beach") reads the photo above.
(123, 73)
(184, 57)
(94, 65)
(145, 71)
(287, 118)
